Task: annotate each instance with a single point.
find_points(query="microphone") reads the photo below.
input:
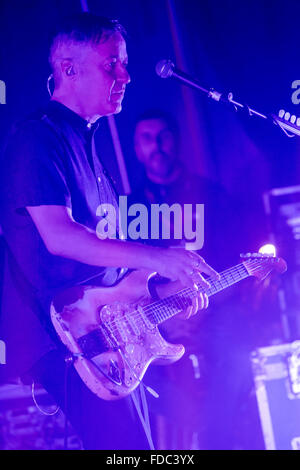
(166, 69)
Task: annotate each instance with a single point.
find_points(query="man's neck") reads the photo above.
(70, 103)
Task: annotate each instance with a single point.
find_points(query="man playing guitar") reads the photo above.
(52, 183)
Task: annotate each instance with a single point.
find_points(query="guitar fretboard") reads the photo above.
(158, 312)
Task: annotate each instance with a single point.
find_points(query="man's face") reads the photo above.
(155, 146)
(102, 76)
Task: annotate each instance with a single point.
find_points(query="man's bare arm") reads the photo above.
(63, 236)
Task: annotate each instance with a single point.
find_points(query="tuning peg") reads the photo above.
(245, 255)
(286, 116)
(256, 255)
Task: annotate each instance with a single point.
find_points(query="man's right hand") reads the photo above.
(185, 266)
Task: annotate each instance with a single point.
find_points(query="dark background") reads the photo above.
(250, 48)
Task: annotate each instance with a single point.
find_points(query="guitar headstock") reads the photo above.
(288, 122)
(260, 265)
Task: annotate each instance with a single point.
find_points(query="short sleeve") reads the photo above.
(33, 170)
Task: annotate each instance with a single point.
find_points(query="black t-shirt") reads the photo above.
(49, 159)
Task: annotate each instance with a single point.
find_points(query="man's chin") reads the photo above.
(115, 108)
(118, 109)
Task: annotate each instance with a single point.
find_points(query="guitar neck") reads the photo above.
(160, 311)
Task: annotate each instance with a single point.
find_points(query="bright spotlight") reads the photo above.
(268, 249)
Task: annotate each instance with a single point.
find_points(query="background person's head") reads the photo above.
(156, 144)
(88, 59)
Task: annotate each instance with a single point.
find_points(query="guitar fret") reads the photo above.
(161, 310)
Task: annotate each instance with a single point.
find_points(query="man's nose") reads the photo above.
(124, 76)
(128, 78)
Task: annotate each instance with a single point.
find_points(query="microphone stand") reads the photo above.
(284, 120)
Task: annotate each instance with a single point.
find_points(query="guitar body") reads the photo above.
(109, 335)
(112, 333)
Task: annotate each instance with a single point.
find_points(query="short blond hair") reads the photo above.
(82, 28)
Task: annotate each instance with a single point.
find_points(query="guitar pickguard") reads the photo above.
(113, 340)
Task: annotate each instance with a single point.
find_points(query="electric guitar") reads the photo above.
(112, 333)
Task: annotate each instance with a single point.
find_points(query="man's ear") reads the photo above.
(68, 68)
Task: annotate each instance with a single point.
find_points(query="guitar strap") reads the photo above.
(139, 399)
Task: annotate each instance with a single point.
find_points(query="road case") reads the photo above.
(276, 371)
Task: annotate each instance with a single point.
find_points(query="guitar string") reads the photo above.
(158, 306)
(235, 270)
(172, 305)
(216, 286)
(161, 305)
(178, 301)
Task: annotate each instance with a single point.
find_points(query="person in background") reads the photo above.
(166, 179)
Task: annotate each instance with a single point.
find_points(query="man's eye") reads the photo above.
(111, 65)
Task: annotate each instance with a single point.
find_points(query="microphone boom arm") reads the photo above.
(166, 69)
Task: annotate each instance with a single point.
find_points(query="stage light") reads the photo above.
(268, 249)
